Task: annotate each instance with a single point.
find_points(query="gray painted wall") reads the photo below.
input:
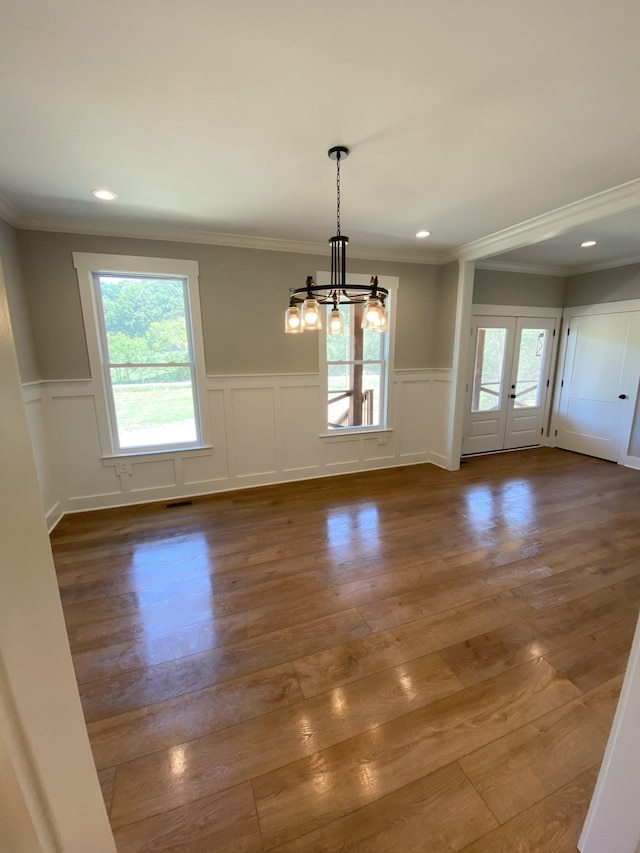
(446, 314)
(497, 287)
(18, 307)
(612, 285)
(243, 293)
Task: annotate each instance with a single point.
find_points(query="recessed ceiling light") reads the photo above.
(104, 194)
(587, 244)
(423, 234)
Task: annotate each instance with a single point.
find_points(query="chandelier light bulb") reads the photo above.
(336, 326)
(311, 314)
(293, 320)
(372, 316)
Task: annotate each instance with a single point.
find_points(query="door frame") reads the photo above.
(526, 312)
(624, 306)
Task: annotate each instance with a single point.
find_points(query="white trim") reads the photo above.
(160, 453)
(440, 373)
(134, 229)
(615, 200)
(515, 311)
(214, 377)
(533, 269)
(605, 265)
(87, 264)
(343, 432)
(466, 275)
(392, 284)
(621, 307)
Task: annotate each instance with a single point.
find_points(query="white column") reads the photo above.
(613, 820)
(47, 774)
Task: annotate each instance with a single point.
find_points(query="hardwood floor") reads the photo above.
(402, 660)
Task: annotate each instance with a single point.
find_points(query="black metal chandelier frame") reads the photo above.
(339, 291)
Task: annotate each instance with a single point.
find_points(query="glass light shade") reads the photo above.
(372, 314)
(336, 326)
(293, 320)
(384, 319)
(311, 314)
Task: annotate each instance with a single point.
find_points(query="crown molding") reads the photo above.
(555, 222)
(531, 269)
(137, 230)
(605, 265)
(9, 213)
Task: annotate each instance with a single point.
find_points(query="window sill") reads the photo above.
(134, 454)
(356, 431)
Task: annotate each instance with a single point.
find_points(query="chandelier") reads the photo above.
(304, 312)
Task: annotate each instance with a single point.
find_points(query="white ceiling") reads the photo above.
(617, 240)
(463, 117)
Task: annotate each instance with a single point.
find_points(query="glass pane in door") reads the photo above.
(488, 369)
(528, 388)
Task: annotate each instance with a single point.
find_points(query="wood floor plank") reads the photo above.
(378, 762)
(120, 738)
(602, 701)
(350, 661)
(575, 583)
(156, 620)
(222, 603)
(515, 772)
(598, 657)
(441, 813)
(107, 778)
(551, 826)
(224, 823)
(494, 652)
(435, 598)
(140, 687)
(117, 658)
(250, 749)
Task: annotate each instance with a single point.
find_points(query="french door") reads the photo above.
(508, 386)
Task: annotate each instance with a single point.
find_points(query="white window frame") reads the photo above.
(87, 266)
(392, 284)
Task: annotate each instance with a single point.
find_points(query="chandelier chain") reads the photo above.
(338, 192)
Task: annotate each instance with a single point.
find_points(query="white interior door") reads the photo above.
(509, 382)
(599, 384)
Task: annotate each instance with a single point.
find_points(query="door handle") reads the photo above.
(622, 396)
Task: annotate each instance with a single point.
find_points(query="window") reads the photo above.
(357, 363)
(144, 340)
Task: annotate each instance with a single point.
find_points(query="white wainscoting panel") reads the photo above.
(203, 468)
(254, 431)
(76, 446)
(339, 452)
(413, 401)
(300, 449)
(219, 457)
(440, 394)
(264, 429)
(35, 404)
(159, 474)
(375, 448)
